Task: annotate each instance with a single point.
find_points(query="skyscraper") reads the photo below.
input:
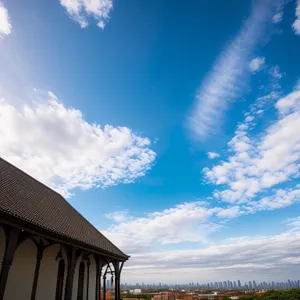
(239, 284)
(229, 284)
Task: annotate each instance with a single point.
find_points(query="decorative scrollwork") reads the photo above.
(59, 255)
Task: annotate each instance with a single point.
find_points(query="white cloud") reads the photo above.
(297, 85)
(296, 24)
(274, 71)
(118, 216)
(256, 64)
(272, 257)
(212, 155)
(57, 146)
(271, 96)
(264, 160)
(81, 10)
(5, 25)
(289, 103)
(226, 80)
(277, 18)
(231, 212)
(187, 222)
(281, 198)
(293, 224)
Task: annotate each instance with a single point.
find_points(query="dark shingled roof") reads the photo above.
(27, 199)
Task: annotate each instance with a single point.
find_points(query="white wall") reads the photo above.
(2, 245)
(20, 278)
(75, 279)
(47, 280)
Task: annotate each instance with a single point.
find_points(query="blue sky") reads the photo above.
(172, 126)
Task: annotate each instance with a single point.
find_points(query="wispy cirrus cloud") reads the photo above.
(277, 18)
(5, 24)
(227, 79)
(82, 10)
(57, 146)
(293, 224)
(296, 24)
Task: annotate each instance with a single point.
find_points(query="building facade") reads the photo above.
(48, 250)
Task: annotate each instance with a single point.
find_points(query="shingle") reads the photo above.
(26, 198)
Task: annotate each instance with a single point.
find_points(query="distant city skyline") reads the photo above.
(222, 285)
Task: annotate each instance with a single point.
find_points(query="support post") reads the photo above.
(104, 287)
(98, 276)
(117, 288)
(39, 257)
(117, 280)
(88, 278)
(119, 283)
(70, 276)
(11, 245)
(99, 281)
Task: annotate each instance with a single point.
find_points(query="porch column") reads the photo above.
(11, 245)
(88, 278)
(104, 287)
(118, 270)
(39, 257)
(117, 281)
(98, 277)
(117, 287)
(70, 276)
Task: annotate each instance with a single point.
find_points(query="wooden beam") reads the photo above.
(104, 287)
(117, 280)
(39, 257)
(70, 276)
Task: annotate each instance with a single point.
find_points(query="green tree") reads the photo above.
(292, 294)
